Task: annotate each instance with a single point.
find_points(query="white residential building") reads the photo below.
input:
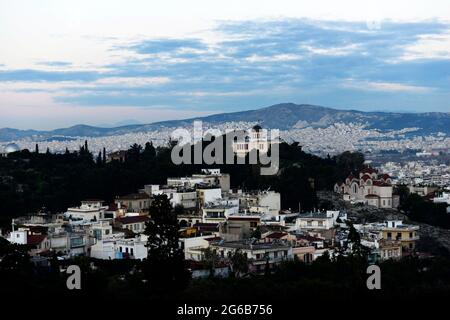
(317, 220)
(90, 210)
(443, 198)
(208, 195)
(265, 202)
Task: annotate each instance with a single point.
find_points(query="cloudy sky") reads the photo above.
(107, 62)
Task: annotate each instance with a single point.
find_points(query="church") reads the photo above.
(369, 187)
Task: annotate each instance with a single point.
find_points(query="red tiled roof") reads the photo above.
(132, 219)
(366, 177)
(276, 235)
(308, 238)
(381, 183)
(35, 239)
(213, 239)
(112, 207)
(369, 170)
(134, 196)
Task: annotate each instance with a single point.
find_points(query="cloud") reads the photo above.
(55, 63)
(248, 64)
(167, 45)
(385, 86)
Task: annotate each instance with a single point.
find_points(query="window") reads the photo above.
(320, 223)
(132, 251)
(275, 254)
(389, 236)
(120, 249)
(309, 223)
(410, 234)
(399, 236)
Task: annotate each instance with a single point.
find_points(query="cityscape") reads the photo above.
(111, 199)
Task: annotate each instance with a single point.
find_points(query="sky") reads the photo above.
(109, 62)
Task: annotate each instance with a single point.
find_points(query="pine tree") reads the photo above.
(104, 155)
(165, 266)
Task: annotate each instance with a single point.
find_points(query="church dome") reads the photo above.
(11, 147)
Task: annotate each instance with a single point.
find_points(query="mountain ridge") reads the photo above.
(282, 116)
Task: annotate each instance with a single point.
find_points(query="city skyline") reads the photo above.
(63, 64)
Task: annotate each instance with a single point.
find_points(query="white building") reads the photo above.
(208, 177)
(131, 249)
(178, 194)
(255, 139)
(184, 197)
(317, 220)
(265, 202)
(208, 195)
(214, 213)
(193, 247)
(120, 248)
(90, 210)
(443, 198)
(258, 253)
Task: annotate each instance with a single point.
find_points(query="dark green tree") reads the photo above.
(165, 266)
(210, 260)
(238, 263)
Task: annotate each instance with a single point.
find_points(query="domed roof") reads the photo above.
(11, 147)
(257, 128)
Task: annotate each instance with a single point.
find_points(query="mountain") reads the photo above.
(282, 116)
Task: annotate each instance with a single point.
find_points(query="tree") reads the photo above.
(165, 266)
(134, 153)
(149, 152)
(355, 239)
(403, 193)
(179, 209)
(256, 233)
(238, 263)
(210, 260)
